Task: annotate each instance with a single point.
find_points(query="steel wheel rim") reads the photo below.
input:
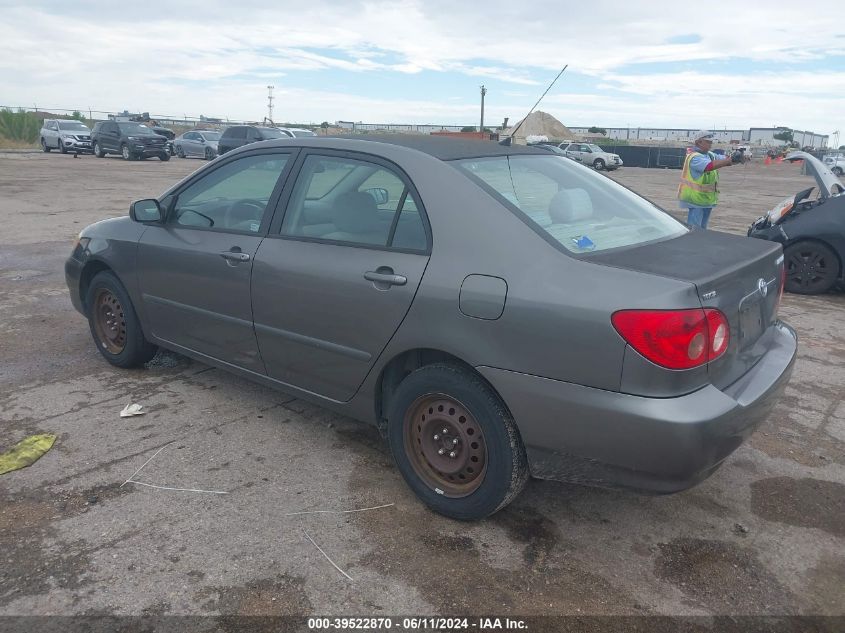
(109, 321)
(445, 445)
(809, 269)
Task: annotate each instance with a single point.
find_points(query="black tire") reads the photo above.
(61, 146)
(209, 153)
(837, 170)
(126, 152)
(44, 147)
(598, 164)
(98, 151)
(812, 268)
(164, 157)
(472, 411)
(180, 152)
(113, 323)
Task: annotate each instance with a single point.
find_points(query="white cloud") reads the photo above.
(192, 58)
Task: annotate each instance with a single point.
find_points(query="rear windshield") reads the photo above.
(269, 132)
(576, 207)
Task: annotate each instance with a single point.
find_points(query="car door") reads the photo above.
(110, 137)
(333, 285)
(194, 269)
(54, 138)
(189, 145)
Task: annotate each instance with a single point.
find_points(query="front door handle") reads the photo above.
(235, 256)
(386, 278)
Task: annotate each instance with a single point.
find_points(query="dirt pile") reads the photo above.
(539, 124)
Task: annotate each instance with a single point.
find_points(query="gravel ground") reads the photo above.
(765, 535)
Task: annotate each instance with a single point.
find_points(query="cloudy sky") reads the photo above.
(657, 64)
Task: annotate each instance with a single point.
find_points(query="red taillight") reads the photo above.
(677, 339)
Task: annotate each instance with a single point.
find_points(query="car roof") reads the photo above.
(446, 148)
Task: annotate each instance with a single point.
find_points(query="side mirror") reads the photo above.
(145, 211)
(379, 194)
(202, 140)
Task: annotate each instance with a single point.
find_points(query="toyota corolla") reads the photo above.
(497, 312)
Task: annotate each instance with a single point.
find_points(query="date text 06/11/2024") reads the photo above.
(481, 624)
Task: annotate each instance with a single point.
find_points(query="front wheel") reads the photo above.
(114, 324)
(598, 164)
(837, 170)
(811, 268)
(44, 147)
(455, 442)
(209, 153)
(98, 151)
(124, 150)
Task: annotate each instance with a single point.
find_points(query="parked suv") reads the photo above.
(835, 163)
(592, 155)
(65, 135)
(239, 135)
(129, 139)
(168, 134)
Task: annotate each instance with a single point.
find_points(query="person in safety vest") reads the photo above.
(699, 188)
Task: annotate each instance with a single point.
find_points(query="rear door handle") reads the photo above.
(235, 256)
(385, 278)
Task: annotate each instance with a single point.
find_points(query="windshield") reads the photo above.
(136, 128)
(271, 132)
(75, 126)
(211, 136)
(577, 208)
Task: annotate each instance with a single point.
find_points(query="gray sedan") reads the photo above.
(497, 312)
(198, 143)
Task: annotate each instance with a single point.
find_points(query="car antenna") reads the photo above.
(509, 140)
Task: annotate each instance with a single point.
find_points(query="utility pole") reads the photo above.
(483, 92)
(270, 103)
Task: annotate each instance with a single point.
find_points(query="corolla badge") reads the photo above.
(762, 286)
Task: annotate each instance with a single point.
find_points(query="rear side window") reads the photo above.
(580, 210)
(235, 132)
(356, 202)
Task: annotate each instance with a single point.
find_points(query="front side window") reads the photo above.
(354, 201)
(233, 197)
(576, 207)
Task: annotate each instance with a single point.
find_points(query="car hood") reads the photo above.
(827, 182)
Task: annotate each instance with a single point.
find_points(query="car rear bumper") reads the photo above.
(663, 445)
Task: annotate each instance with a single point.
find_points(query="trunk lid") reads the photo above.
(742, 277)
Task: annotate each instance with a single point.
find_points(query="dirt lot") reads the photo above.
(764, 535)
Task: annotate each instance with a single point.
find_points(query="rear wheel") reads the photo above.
(598, 164)
(164, 156)
(811, 268)
(455, 442)
(837, 170)
(114, 324)
(44, 147)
